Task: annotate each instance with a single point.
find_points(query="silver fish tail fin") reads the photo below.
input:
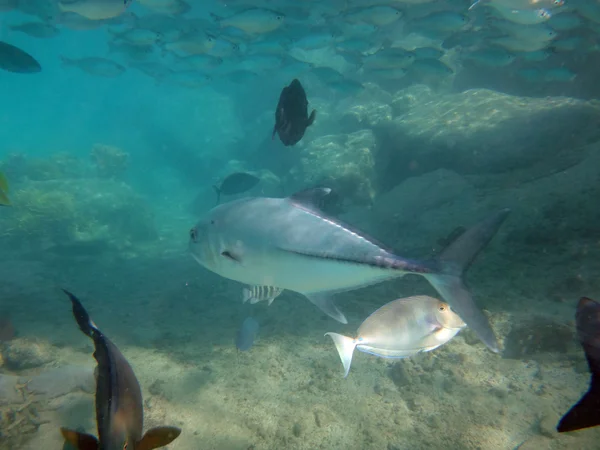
(453, 262)
(345, 347)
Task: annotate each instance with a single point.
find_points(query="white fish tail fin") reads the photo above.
(453, 262)
(325, 304)
(246, 295)
(345, 347)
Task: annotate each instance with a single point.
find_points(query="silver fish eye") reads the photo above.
(442, 308)
(279, 17)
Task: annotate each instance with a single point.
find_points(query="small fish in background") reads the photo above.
(4, 189)
(119, 407)
(260, 294)
(100, 67)
(586, 412)
(95, 9)
(401, 329)
(291, 115)
(236, 183)
(244, 338)
(13, 59)
(252, 21)
(38, 30)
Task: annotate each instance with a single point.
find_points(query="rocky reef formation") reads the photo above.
(59, 205)
(511, 139)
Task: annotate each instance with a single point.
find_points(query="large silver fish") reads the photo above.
(400, 329)
(291, 244)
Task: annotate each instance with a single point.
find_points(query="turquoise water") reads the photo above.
(430, 118)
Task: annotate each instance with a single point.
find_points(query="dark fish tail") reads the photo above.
(82, 317)
(453, 263)
(586, 412)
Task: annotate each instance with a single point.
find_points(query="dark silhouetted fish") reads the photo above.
(14, 59)
(244, 338)
(291, 115)
(236, 183)
(119, 408)
(586, 412)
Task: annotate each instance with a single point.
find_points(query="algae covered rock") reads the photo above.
(483, 131)
(343, 162)
(71, 212)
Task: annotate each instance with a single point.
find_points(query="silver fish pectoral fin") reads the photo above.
(325, 303)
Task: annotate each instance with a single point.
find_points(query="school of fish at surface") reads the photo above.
(343, 43)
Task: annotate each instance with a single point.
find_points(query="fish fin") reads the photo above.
(474, 4)
(586, 412)
(311, 118)
(279, 291)
(63, 59)
(4, 183)
(231, 256)
(345, 347)
(218, 191)
(246, 295)
(216, 18)
(4, 200)
(82, 317)
(453, 262)
(80, 441)
(325, 303)
(158, 437)
(254, 301)
(312, 197)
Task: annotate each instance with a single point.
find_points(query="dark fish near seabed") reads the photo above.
(244, 338)
(236, 183)
(119, 407)
(14, 59)
(586, 412)
(291, 115)
(290, 243)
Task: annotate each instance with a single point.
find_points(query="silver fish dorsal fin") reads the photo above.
(310, 198)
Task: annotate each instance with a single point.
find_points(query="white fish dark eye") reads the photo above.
(442, 308)
(193, 234)
(279, 17)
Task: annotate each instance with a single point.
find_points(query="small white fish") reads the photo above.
(253, 20)
(260, 294)
(100, 67)
(523, 16)
(401, 329)
(95, 9)
(374, 15)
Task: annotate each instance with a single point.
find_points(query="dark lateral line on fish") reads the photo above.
(377, 261)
